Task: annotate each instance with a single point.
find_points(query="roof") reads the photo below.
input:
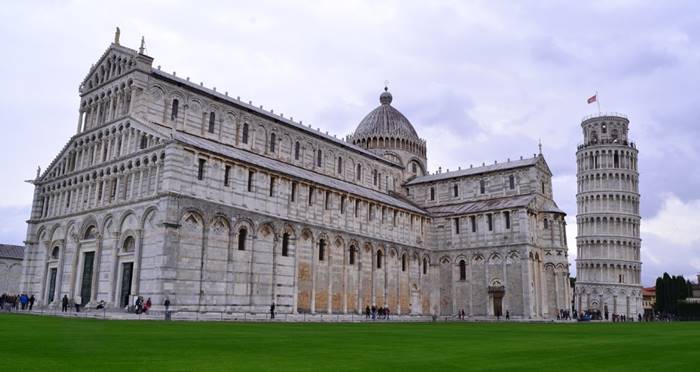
(385, 121)
(279, 118)
(293, 171)
(472, 171)
(12, 251)
(509, 202)
(518, 201)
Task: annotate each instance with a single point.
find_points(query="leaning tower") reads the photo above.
(608, 262)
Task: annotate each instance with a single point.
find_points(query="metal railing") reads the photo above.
(604, 114)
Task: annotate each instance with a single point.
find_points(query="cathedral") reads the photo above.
(172, 190)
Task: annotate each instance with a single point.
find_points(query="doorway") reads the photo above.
(86, 283)
(127, 270)
(52, 285)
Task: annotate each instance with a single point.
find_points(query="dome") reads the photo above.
(386, 121)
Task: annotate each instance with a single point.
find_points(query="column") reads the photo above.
(135, 280)
(96, 269)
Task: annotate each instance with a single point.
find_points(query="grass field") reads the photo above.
(51, 344)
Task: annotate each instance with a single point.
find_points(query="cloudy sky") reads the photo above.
(480, 81)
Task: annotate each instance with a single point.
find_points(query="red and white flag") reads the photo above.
(593, 98)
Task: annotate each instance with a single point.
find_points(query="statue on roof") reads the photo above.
(116, 36)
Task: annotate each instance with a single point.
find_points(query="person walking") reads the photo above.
(167, 308)
(367, 312)
(507, 315)
(64, 303)
(272, 311)
(31, 302)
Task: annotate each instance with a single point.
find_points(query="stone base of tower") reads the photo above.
(618, 299)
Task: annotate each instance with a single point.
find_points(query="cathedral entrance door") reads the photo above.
(127, 270)
(497, 306)
(497, 292)
(86, 286)
(52, 285)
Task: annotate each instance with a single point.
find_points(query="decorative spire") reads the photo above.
(539, 145)
(142, 48)
(116, 36)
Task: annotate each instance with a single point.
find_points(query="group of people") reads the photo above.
(141, 306)
(10, 302)
(563, 315)
(377, 312)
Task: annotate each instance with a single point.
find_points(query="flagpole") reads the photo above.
(597, 101)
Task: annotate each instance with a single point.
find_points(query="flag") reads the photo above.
(593, 98)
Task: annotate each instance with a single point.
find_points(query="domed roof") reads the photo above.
(385, 121)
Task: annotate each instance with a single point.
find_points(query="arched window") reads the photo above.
(351, 261)
(273, 142)
(604, 129)
(212, 121)
(374, 177)
(455, 191)
(144, 142)
(359, 172)
(285, 244)
(414, 167)
(432, 193)
(129, 244)
(614, 134)
(546, 223)
(379, 259)
(244, 134)
(511, 181)
(616, 160)
(242, 236)
(403, 262)
(55, 252)
(462, 270)
(90, 233)
(319, 158)
(296, 150)
(425, 266)
(340, 165)
(174, 109)
(482, 186)
(321, 249)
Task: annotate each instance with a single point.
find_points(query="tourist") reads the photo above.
(272, 311)
(367, 312)
(167, 304)
(24, 301)
(100, 305)
(463, 315)
(507, 315)
(31, 302)
(374, 312)
(76, 303)
(64, 303)
(148, 305)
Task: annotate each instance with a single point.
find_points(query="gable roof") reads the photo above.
(473, 171)
(294, 171)
(271, 116)
(15, 252)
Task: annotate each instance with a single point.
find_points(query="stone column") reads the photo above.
(313, 276)
(136, 279)
(113, 274)
(96, 269)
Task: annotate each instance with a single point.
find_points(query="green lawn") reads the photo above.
(50, 344)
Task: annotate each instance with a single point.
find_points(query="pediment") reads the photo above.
(116, 61)
(64, 161)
